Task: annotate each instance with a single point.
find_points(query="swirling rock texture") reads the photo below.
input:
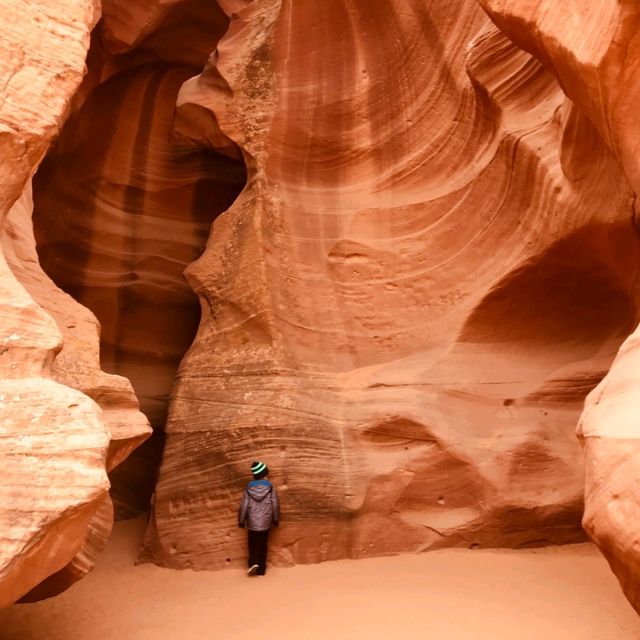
(594, 51)
(122, 207)
(77, 365)
(432, 263)
(54, 439)
(176, 31)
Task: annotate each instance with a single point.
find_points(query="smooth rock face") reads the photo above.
(122, 205)
(43, 49)
(406, 306)
(118, 220)
(176, 31)
(56, 442)
(77, 365)
(594, 50)
(121, 208)
(432, 263)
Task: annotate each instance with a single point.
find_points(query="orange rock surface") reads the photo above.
(432, 263)
(63, 422)
(594, 51)
(405, 307)
(118, 221)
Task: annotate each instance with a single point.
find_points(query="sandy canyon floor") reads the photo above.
(564, 593)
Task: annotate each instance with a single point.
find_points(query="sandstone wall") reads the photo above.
(121, 208)
(432, 263)
(405, 307)
(594, 51)
(63, 422)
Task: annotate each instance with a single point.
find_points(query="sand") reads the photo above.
(563, 592)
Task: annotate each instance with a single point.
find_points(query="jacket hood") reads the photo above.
(259, 489)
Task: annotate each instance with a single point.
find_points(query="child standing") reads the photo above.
(259, 511)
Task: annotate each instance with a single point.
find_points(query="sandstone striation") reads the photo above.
(434, 259)
(609, 432)
(176, 31)
(406, 306)
(593, 50)
(77, 365)
(117, 220)
(56, 442)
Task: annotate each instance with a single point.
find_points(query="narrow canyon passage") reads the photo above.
(121, 207)
(389, 247)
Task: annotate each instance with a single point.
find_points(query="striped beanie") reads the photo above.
(259, 470)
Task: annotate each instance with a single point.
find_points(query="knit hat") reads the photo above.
(259, 470)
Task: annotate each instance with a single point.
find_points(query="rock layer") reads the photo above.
(55, 442)
(432, 263)
(121, 208)
(176, 31)
(404, 309)
(593, 50)
(77, 365)
(117, 222)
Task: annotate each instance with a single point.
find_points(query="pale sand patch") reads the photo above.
(555, 593)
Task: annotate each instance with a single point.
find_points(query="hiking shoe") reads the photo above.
(253, 570)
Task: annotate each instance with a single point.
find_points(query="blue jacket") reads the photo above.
(260, 507)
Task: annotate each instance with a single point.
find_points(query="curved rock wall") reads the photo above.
(77, 366)
(176, 31)
(404, 309)
(433, 261)
(593, 49)
(117, 222)
(58, 411)
(121, 208)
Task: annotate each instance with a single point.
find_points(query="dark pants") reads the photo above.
(258, 550)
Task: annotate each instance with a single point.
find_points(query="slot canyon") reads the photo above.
(389, 246)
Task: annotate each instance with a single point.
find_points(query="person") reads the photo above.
(259, 511)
